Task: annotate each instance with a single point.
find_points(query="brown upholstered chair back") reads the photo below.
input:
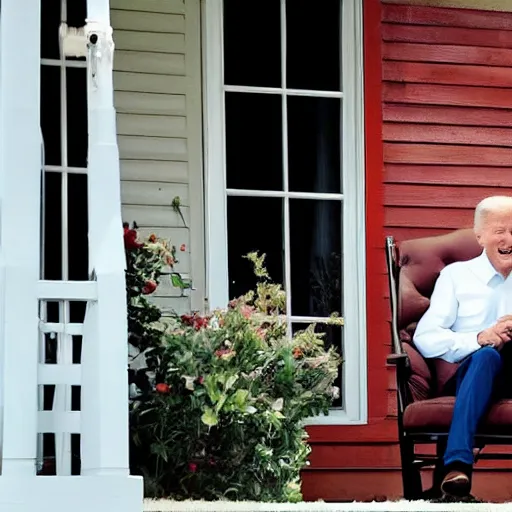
(421, 261)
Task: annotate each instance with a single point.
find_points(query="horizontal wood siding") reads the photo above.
(444, 135)
(447, 115)
(157, 91)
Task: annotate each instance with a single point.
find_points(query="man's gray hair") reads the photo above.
(493, 204)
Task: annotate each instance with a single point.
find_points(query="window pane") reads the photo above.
(314, 144)
(252, 43)
(77, 116)
(50, 113)
(315, 257)
(50, 21)
(77, 228)
(254, 141)
(313, 44)
(76, 12)
(52, 226)
(254, 224)
(333, 336)
(76, 15)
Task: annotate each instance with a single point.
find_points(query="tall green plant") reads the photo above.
(220, 413)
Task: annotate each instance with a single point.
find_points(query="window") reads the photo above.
(284, 166)
(64, 233)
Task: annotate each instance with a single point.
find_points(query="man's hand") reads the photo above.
(498, 334)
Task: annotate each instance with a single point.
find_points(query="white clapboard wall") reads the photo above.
(157, 82)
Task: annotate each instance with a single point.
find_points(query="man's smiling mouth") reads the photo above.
(505, 251)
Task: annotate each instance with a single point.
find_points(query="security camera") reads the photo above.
(93, 38)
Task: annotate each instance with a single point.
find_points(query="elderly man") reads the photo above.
(469, 322)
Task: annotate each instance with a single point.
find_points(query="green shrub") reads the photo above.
(220, 413)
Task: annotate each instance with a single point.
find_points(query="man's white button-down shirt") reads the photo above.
(468, 297)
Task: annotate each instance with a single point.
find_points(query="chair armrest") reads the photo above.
(398, 359)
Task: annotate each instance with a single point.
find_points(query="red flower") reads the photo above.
(152, 238)
(200, 380)
(183, 247)
(196, 321)
(130, 239)
(192, 467)
(163, 388)
(150, 287)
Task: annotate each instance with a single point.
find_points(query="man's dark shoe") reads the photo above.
(456, 484)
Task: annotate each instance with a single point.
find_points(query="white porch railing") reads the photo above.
(104, 483)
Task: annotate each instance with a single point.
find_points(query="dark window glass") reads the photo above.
(252, 43)
(314, 144)
(254, 224)
(76, 15)
(50, 22)
(77, 227)
(50, 113)
(315, 257)
(313, 45)
(77, 116)
(52, 226)
(254, 141)
(76, 12)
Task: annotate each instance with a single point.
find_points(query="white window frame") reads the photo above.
(354, 372)
(63, 393)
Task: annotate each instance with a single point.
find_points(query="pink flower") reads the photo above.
(225, 353)
(246, 310)
(192, 467)
(261, 333)
(200, 380)
(183, 247)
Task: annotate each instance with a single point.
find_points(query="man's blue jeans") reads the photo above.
(476, 385)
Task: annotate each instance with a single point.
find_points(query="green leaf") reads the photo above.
(230, 382)
(209, 417)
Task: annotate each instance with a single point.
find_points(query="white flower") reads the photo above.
(134, 391)
(189, 382)
(278, 405)
(335, 392)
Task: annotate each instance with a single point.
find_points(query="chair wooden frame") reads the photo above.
(413, 462)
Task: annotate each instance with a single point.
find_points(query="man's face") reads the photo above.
(495, 236)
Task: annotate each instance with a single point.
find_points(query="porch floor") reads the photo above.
(203, 506)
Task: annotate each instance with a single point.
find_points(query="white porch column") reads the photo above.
(104, 353)
(20, 177)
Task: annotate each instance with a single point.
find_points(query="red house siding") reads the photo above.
(438, 113)
(447, 132)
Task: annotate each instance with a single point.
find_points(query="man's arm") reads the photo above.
(433, 336)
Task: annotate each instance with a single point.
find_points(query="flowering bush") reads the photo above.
(219, 413)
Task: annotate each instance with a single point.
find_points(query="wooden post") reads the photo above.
(105, 347)
(20, 178)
